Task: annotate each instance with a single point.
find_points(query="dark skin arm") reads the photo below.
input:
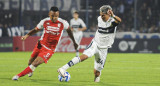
(117, 19)
(71, 36)
(82, 29)
(33, 31)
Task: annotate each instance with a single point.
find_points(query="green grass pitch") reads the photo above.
(120, 70)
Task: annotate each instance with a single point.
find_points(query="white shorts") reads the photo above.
(100, 55)
(78, 37)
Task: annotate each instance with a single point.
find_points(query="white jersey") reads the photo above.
(103, 40)
(75, 24)
(105, 34)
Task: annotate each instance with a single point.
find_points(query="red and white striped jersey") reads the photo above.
(52, 32)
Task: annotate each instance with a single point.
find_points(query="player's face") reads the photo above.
(75, 15)
(104, 16)
(54, 16)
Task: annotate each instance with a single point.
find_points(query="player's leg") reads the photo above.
(29, 63)
(72, 62)
(30, 68)
(100, 59)
(78, 39)
(31, 60)
(97, 75)
(89, 52)
(34, 55)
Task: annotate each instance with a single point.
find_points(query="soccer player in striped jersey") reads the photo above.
(77, 26)
(104, 38)
(53, 27)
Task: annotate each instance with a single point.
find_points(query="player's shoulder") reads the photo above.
(43, 20)
(62, 21)
(99, 19)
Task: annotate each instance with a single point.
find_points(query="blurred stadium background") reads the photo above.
(138, 32)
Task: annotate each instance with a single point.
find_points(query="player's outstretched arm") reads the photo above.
(33, 31)
(82, 29)
(117, 19)
(71, 36)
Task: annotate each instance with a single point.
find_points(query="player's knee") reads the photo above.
(36, 63)
(83, 57)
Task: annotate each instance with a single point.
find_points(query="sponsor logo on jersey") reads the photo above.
(48, 23)
(53, 30)
(50, 28)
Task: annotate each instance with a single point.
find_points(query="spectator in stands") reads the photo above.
(152, 29)
(121, 8)
(4, 31)
(147, 14)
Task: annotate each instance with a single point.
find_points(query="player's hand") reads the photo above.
(24, 37)
(110, 12)
(75, 46)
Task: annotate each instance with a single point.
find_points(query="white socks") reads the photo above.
(32, 67)
(74, 61)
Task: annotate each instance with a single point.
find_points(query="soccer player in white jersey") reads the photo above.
(104, 38)
(77, 26)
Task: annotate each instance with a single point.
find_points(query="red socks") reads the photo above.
(26, 71)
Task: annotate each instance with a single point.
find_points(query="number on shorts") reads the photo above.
(100, 61)
(47, 55)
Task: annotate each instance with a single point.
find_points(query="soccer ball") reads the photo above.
(66, 78)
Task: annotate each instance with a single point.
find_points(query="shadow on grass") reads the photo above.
(49, 82)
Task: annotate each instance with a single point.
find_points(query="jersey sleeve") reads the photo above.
(114, 23)
(99, 20)
(66, 25)
(40, 25)
(82, 23)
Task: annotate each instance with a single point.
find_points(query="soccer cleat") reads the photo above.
(30, 74)
(61, 71)
(97, 79)
(15, 77)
